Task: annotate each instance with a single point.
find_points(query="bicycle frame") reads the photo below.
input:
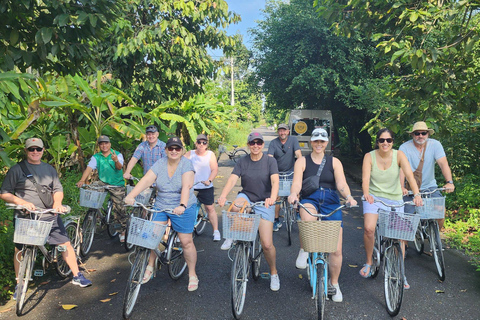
(315, 259)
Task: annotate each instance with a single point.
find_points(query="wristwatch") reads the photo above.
(209, 180)
(450, 181)
(182, 205)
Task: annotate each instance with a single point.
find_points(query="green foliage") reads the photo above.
(7, 273)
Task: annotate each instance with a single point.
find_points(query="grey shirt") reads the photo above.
(169, 189)
(284, 153)
(255, 175)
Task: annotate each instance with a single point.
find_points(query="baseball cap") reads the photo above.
(174, 141)
(33, 142)
(319, 134)
(282, 126)
(151, 128)
(255, 135)
(103, 139)
(202, 137)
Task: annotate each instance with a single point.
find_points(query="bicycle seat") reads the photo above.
(235, 146)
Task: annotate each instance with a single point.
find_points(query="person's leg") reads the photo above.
(117, 195)
(212, 216)
(70, 257)
(265, 230)
(369, 224)
(189, 252)
(335, 260)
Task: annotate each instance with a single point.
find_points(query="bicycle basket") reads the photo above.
(32, 232)
(285, 185)
(397, 225)
(92, 198)
(319, 236)
(240, 226)
(143, 197)
(145, 233)
(433, 208)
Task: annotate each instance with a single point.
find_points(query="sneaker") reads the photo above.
(216, 235)
(81, 281)
(406, 286)
(302, 258)
(226, 244)
(338, 296)
(15, 293)
(274, 282)
(277, 225)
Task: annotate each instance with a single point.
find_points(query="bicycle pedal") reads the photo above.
(61, 248)
(265, 275)
(38, 273)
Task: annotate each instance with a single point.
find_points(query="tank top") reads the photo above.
(201, 164)
(385, 183)
(327, 178)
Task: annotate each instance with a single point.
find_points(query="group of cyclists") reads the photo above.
(176, 175)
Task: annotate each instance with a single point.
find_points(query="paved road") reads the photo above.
(168, 299)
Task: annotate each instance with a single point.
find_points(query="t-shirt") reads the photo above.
(169, 189)
(255, 175)
(284, 153)
(327, 177)
(17, 183)
(150, 155)
(107, 172)
(433, 152)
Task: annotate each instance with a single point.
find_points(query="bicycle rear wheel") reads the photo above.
(394, 275)
(239, 279)
(109, 221)
(321, 294)
(437, 250)
(201, 222)
(288, 217)
(88, 229)
(135, 212)
(24, 276)
(419, 239)
(238, 154)
(61, 265)
(135, 281)
(256, 257)
(376, 257)
(176, 260)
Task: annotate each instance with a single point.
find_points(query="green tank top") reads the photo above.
(385, 183)
(107, 171)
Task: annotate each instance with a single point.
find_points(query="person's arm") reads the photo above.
(296, 187)
(147, 180)
(402, 183)
(232, 180)
(187, 183)
(116, 160)
(133, 161)
(366, 171)
(275, 181)
(213, 169)
(405, 166)
(298, 154)
(341, 182)
(84, 177)
(11, 198)
(57, 202)
(447, 174)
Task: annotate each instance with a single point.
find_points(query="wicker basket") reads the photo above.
(398, 225)
(145, 233)
(240, 226)
(285, 185)
(33, 232)
(143, 197)
(319, 236)
(433, 208)
(92, 198)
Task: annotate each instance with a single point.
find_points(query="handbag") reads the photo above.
(417, 174)
(312, 184)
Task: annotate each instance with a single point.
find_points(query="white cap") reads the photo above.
(319, 134)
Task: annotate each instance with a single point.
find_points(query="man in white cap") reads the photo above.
(424, 151)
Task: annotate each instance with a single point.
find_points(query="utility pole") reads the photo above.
(232, 99)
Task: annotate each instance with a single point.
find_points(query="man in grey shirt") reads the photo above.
(284, 149)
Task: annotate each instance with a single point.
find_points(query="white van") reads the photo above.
(302, 122)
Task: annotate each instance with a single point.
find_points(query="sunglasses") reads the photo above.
(320, 134)
(256, 142)
(283, 148)
(202, 142)
(38, 149)
(389, 140)
(174, 149)
(423, 133)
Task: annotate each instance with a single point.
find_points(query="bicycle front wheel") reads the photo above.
(437, 250)
(394, 275)
(136, 212)
(256, 250)
(176, 260)
(239, 279)
(135, 281)
(24, 276)
(321, 294)
(419, 239)
(238, 154)
(201, 222)
(61, 265)
(88, 231)
(109, 221)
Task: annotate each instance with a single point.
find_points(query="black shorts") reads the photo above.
(58, 234)
(205, 196)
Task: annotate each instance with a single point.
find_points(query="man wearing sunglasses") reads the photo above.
(423, 148)
(284, 149)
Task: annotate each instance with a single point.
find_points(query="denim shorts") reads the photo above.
(373, 208)
(181, 224)
(267, 213)
(325, 201)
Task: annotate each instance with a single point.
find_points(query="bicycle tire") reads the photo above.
(239, 153)
(111, 230)
(136, 212)
(239, 277)
(419, 240)
(88, 231)
(394, 275)
(61, 266)
(255, 250)
(24, 275)
(175, 258)
(437, 250)
(376, 256)
(288, 218)
(321, 294)
(201, 222)
(135, 281)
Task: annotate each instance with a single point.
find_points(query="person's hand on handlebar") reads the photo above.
(58, 207)
(179, 210)
(292, 198)
(368, 198)
(28, 205)
(404, 191)
(80, 183)
(269, 202)
(221, 201)
(418, 201)
(127, 176)
(129, 200)
(351, 201)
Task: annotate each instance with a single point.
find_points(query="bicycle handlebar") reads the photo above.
(21, 207)
(319, 215)
(103, 188)
(390, 205)
(426, 193)
(150, 209)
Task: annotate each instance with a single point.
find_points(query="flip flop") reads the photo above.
(367, 274)
(146, 277)
(193, 283)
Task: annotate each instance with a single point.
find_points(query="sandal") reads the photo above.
(193, 283)
(364, 268)
(122, 237)
(147, 277)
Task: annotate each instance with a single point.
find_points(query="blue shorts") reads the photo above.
(373, 208)
(330, 200)
(267, 213)
(181, 224)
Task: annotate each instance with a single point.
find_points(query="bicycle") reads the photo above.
(319, 238)
(242, 228)
(234, 155)
(289, 215)
(433, 208)
(202, 216)
(146, 235)
(392, 226)
(33, 233)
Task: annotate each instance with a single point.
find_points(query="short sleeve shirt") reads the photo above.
(149, 156)
(169, 188)
(433, 153)
(17, 183)
(255, 176)
(284, 153)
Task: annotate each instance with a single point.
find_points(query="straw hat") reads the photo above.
(421, 126)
